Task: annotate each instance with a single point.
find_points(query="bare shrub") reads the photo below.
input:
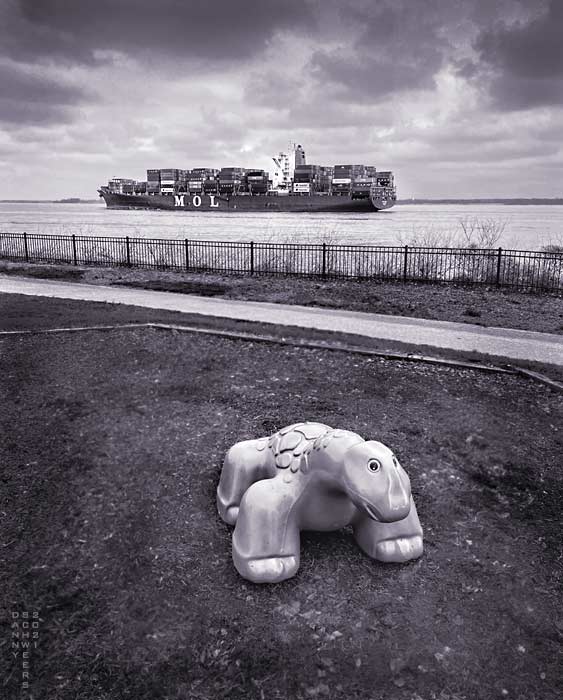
(208, 256)
(288, 259)
(268, 257)
(428, 237)
(552, 248)
(96, 252)
(298, 251)
(555, 245)
(537, 270)
(304, 236)
(474, 232)
(162, 255)
(12, 246)
(481, 233)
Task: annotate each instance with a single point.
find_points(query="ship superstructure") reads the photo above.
(293, 186)
(285, 165)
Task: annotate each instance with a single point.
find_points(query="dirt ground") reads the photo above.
(486, 306)
(112, 452)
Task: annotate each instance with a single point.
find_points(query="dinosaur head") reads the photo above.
(376, 482)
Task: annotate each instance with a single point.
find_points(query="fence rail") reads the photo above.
(525, 270)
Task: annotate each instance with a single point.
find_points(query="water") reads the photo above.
(521, 227)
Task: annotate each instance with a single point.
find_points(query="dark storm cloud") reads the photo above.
(365, 78)
(151, 29)
(524, 60)
(530, 50)
(28, 98)
(398, 47)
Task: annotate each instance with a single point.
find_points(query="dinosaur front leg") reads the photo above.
(390, 542)
(266, 542)
(245, 463)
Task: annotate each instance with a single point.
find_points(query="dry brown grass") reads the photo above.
(487, 306)
(112, 454)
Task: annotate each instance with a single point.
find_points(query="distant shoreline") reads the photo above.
(507, 201)
(67, 200)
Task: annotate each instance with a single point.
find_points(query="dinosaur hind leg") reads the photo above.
(244, 464)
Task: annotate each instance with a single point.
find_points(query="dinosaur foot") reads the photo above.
(229, 514)
(399, 549)
(267, 570)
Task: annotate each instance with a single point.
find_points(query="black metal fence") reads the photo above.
(526, 270)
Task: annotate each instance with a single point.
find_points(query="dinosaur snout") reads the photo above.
(399, 495)
(393, 502)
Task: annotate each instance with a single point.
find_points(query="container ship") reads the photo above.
(294, 186)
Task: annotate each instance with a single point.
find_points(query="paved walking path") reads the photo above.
(496, 342)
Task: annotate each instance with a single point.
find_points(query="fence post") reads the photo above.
(405, 263)
(128, 251)
(75, 257)
(498, 266)
(186, 253)
(251, 257)
(324, 260)
(25, 246)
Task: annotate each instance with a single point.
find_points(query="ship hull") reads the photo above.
(246, 203)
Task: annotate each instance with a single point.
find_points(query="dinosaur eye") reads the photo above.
(374, 465)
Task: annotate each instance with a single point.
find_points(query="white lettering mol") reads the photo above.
(213, 202)
(196, 201)
(179, 200)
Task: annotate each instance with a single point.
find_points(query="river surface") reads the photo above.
(519, 227)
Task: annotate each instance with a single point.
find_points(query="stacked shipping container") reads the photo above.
(256, 181)
(343, 177)
(355, 180)
(306, 179)
(231, 180)
(121, 185)
(340, 179)
(203, 180)
(169, 178)
(326, 173)
(385, 178)
(177, 180)
(153, 181)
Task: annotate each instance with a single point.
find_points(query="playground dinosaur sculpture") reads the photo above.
(309, 476)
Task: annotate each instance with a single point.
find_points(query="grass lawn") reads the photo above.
(112, 444)
(480, 305)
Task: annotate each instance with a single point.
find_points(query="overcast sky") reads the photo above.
(460, 98)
